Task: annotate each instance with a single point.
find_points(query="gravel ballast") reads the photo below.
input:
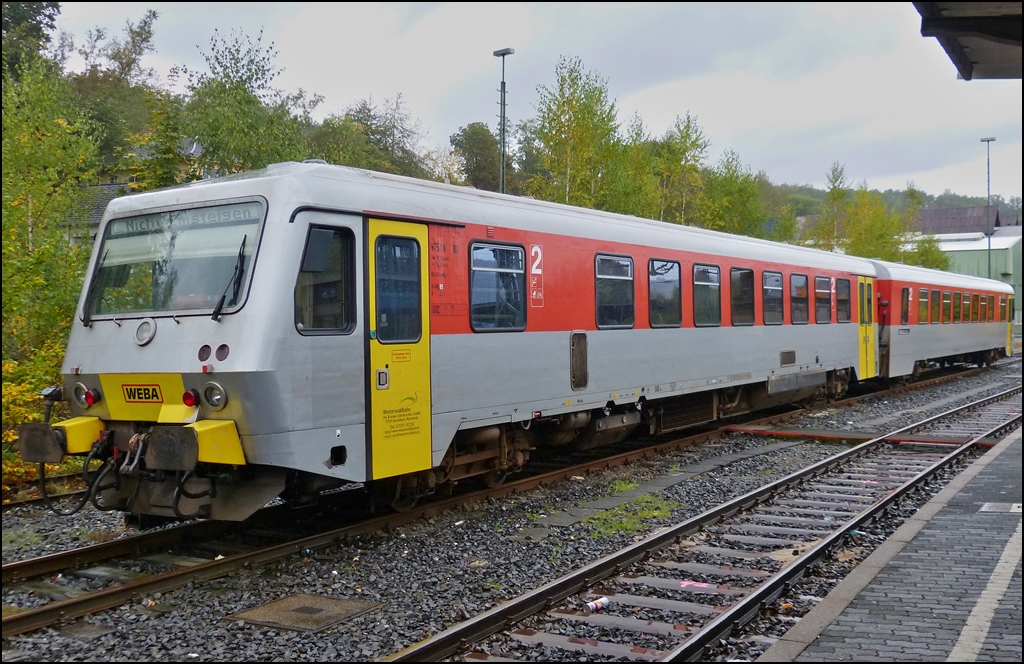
(430, 574)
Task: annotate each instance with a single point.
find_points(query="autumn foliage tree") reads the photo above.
(577, 132)
(49, 152)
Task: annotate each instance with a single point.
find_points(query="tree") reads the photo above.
(115, 87)
(784, 227)
(155, 158)
(872, 230)
(1014, 206)
(125, 54)
(681, 154)
(341, 140)
(531, 175)
(732, 199)
(577, 133)
(827, 232)
(49, 152)
(927, 253)
(25, 32)
(392, 134)
(479, 155)
(443, 165)
(632, 178)
(238, 117)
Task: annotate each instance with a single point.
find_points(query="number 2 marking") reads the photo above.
(538, 255)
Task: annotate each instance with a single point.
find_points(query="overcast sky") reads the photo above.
(791, 88)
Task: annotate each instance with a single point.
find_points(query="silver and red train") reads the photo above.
(306, 326)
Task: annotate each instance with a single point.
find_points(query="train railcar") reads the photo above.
(933, 316)
(289, 330)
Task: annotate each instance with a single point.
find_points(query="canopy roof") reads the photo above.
(983, 39)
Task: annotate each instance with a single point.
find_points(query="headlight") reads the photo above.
(145, 332)
(215, 396)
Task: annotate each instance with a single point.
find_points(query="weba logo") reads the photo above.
(142, 394)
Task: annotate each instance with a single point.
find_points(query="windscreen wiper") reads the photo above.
(236, 282)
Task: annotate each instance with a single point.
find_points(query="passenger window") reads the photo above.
(983, 315)
(665, 299)
(905, 307)
(399, 316)
(823, 300)
(707, 298)
(771, 283)
(614, 291)
(975, 308)
(936, 307)
(922, 307)
(799, 308)
(325, 290)
(946, 306)
(497, 288)
(742, 294)
(966, 313)
(991, 308)
(956, 307)
(1002, 308)
(843, 300)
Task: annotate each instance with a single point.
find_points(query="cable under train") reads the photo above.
(303, 327)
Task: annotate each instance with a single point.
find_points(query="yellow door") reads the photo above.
(866, 328)
(399, 341)
(1009, 325)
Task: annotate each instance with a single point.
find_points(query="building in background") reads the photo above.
(963, 235)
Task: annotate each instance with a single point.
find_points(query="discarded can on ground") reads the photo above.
(597, 605)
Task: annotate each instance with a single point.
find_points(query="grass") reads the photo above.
(100, 536)
(630, 517)
(20, 537)
(620, 485)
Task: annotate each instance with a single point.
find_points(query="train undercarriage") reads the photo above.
(139, 474)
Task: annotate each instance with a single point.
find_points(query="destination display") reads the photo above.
(183, 219)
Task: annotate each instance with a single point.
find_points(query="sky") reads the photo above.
(790, 88)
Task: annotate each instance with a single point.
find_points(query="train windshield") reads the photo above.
(178, 261)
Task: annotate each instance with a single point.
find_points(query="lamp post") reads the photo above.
(501, 166)
(988, 204)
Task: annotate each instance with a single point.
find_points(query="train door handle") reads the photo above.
(383, 379)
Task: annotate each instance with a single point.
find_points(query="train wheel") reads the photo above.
(404, 502)
(395, 493)
(495, 478)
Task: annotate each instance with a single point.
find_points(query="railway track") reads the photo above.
(21, 487)
(176, 570)
(711, 574)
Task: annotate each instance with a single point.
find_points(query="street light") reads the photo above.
(988, 204)
(501, 166)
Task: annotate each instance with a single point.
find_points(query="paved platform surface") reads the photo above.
(945, 587)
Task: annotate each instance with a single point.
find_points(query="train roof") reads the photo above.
(924, 275)
(369, 192)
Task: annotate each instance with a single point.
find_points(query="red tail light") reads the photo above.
(92, 397)
(190, 398)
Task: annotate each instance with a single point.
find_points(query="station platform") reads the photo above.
(946, 586)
